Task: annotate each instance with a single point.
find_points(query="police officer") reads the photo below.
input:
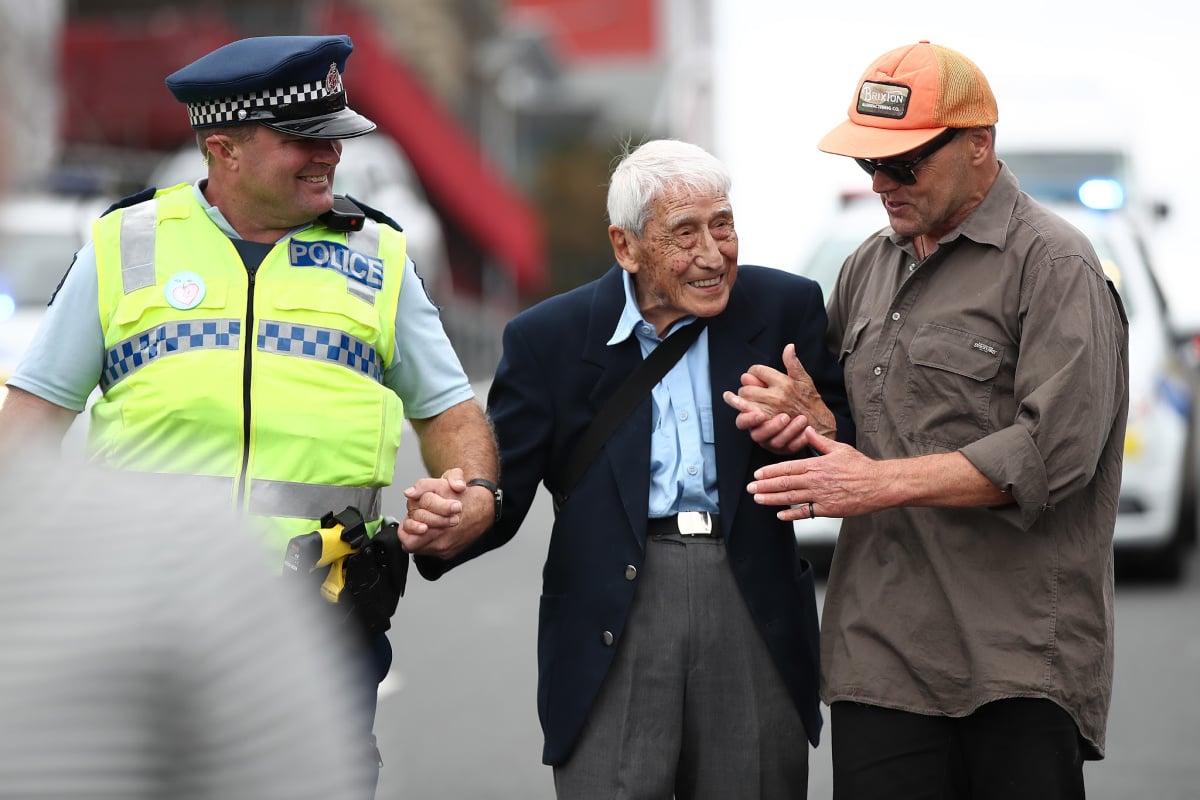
(248, 332)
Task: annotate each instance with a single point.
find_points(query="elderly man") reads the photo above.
(253, 332)
(967, 644)
(677, 633)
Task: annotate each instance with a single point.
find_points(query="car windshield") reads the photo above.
(32, 264)
(1057, 175)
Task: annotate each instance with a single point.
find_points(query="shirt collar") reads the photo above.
(219, 220)
(988, 224)
(631, 317)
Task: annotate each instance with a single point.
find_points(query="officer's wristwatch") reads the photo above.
(497, 493)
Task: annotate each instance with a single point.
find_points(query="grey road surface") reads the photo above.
(458, 717)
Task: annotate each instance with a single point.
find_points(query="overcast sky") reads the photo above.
(1091, 73)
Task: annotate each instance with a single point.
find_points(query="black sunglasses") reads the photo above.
(901, 171)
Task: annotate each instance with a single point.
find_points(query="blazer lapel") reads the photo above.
(627, 452)
(731, 350)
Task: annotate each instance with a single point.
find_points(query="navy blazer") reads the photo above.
(555, 374)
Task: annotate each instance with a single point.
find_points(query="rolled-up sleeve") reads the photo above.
(1070, 380)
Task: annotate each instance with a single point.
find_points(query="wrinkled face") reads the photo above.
(685, 262)
(934, 204)
(286, 180)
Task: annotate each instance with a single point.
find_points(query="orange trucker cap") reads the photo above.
(907, 97)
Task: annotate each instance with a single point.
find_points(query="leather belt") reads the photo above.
(686, 523)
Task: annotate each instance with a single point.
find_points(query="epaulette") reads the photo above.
(375, 214)
(131, 200)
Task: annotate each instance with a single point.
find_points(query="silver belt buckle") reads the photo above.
(694, 523)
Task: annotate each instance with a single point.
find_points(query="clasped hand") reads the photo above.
(778, 409)
(438, 522)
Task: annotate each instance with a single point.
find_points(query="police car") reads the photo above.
(39, 235)
(1156, 515)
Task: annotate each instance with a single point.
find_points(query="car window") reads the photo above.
(32, 264)
(826, 262)
(1056, 175)
(1114, 268)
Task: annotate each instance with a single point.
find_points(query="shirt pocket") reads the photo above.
(338, 310)
(948, 393)
(149, 306)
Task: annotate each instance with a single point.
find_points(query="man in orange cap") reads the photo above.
(966, 640)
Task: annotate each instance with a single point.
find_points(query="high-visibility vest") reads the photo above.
(271, 384)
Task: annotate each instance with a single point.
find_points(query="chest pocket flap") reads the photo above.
(959, 352)
(338, 308)
(151, 302)
(851, 336)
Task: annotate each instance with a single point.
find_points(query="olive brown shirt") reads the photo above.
(1009, 345)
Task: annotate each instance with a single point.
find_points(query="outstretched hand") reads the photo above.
(839, 482)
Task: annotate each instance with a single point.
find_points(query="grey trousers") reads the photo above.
(693, 707)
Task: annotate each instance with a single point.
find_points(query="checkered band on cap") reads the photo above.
(265, 104)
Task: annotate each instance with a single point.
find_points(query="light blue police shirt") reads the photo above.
(683, 452)
(65, 358)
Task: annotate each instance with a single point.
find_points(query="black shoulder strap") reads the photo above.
(131, 200)
(626, 399)
(373, 213)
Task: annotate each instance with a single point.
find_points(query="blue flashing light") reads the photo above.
(8, 306)
(1102, 194)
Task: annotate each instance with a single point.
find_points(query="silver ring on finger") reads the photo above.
(811, 512)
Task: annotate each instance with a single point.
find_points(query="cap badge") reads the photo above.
(333, 80)
(184, 290)
(883, 99)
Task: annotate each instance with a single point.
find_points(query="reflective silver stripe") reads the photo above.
(170, 338)
(138, 226)
(311, 500)
(150, 482)
(319, 344)
(364, 241)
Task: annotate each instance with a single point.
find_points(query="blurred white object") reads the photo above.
(149, 652)
(39, 235)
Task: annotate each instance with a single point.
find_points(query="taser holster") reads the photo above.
(363, 576)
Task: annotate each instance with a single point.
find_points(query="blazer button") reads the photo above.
(607, 638)
(630, 572)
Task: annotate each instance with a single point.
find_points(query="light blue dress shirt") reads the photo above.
(683, 453)
(65, 358)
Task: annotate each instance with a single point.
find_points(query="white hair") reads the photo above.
(654, 168)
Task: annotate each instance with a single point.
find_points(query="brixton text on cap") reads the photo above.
(907, 97)
(290, 83)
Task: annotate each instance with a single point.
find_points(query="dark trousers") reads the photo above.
(1006, 750)
(693, 707)
(378, 662)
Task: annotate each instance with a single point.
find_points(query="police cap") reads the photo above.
(290, 83)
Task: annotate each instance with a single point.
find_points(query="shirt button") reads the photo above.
(692, 470)
(912, 267)
(647, 330)
(683, 415)
(896, 315)
(879, 370)
(630, 572)
(607, 638)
